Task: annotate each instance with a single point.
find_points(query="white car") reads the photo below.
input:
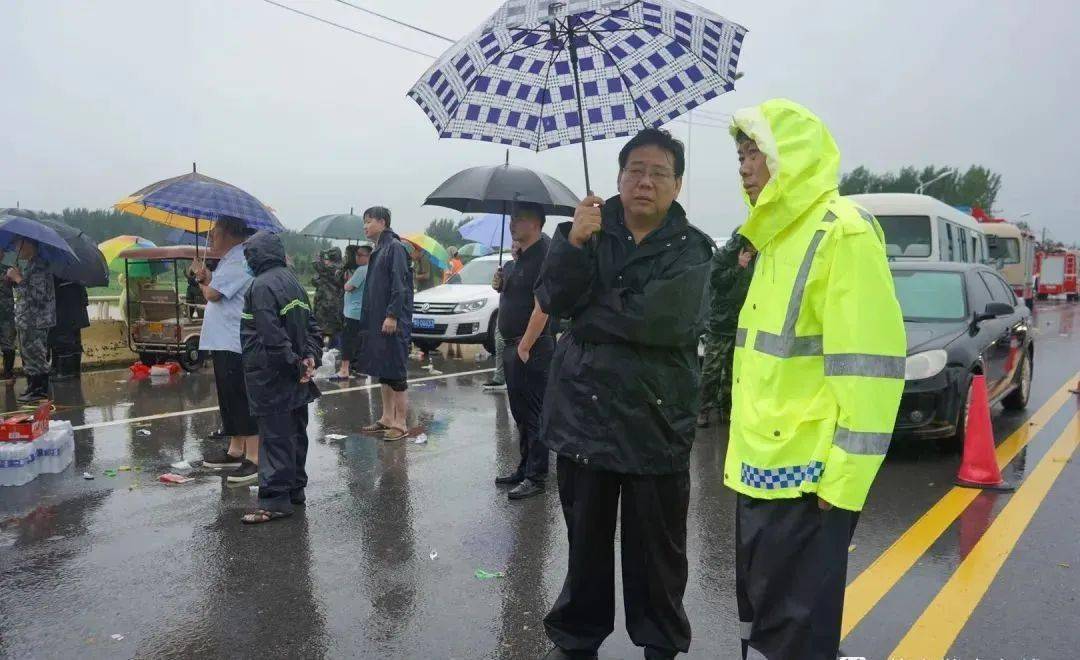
(463, 311)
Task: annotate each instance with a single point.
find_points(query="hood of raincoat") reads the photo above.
(803, 160)
(264, 251)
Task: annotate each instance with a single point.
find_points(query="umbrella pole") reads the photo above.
(580, 106)
(502, 235)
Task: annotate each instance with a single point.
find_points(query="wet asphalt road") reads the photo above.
(173, 570)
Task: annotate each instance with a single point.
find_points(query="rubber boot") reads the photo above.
(8, 375)
(65, 368)
(76, 364)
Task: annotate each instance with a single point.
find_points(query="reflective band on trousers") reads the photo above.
(862, 442)
(786, 344)
(740, 337)
(862, 364)
(744, 629)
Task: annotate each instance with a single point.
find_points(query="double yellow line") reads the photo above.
(937, 628)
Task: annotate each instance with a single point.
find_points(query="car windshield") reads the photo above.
(906, 235)
(930, 295)
(1006, 249)
(476, 272)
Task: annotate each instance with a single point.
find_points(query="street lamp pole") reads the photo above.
(922, 186)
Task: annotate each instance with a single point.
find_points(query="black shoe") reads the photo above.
(526, 488)
(509, 480)
(219, 459)
(37, 389)
(247, 473)
(9, 367)
(217, 434)
(559, 654)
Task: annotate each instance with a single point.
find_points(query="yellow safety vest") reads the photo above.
(820, 349)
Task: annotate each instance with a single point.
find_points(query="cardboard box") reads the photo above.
(25, 426)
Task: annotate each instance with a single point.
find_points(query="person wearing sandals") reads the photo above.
(387, 314)
(282, 347)
(352, 335)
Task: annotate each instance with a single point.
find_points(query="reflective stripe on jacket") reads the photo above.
(820, 349)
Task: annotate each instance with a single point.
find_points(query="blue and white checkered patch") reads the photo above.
(782, 477)
(640, 64)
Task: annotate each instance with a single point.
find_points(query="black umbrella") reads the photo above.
(496, 188)
(89, 267)
(344, 226)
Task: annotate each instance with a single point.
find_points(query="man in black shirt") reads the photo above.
(529, 345)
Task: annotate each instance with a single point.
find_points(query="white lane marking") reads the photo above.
(197, 411)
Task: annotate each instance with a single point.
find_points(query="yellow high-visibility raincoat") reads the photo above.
(820, 347)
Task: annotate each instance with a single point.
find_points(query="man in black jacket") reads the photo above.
(282, 346)
(630, 273)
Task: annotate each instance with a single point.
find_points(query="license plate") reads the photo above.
(424, 324)
(156, 328)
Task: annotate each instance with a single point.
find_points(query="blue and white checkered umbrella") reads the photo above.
(529, 74)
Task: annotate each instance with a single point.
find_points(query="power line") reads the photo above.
(349, 29)
(394, 20)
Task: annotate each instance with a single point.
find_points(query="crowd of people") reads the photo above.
(804, 359)
(41, 317)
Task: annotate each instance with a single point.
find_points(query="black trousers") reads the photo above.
(790, 573)
(283, 451)
(525, 385)
(654, 564)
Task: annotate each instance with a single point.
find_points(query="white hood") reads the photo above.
(456, 293)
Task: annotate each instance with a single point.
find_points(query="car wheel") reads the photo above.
(955, 443)
(426, 345)
(1072, 297)
(1043, 296)
(1018, 398)
(191, 358)
(489, 340)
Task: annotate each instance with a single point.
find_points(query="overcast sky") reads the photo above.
(101, 98)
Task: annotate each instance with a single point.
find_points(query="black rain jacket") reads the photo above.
(623, 391)
(277, 331)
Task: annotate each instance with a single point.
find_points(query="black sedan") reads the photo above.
(961, 320)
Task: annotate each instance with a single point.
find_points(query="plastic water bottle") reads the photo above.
(18, 463)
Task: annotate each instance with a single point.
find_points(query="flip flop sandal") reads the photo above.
(377, 427)
(260, 516)
(337, 378)
(390, 435)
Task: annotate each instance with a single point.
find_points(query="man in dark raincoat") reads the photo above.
(732, 270)
(630, 273)
(65, 338)
(282, 346)
(387, 314)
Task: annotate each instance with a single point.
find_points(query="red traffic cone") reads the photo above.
(979, 468)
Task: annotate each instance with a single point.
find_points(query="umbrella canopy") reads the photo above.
(491, 229)
(473, 250)
(432, 248)
(193, 202)
(114, 246)
(345, 226)
(495, 189)
(540, 74)
(51, 246)
(89, 267)
(181, 237)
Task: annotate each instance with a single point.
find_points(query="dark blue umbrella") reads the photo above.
(51, 246)
(540, 74)
(88, 268)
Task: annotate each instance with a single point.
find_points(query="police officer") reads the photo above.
(8, 337)
(732, 270)
(329, 294)
(35, 313)
(529, 346)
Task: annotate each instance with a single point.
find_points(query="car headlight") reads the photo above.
(925, 365)
(470, 306)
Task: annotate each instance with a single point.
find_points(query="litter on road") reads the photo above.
(143, 432)
(110, 473)
(334, 436)
(181, 465)
(421, 439)
(481, 574)
(170, 478)
(87, 476)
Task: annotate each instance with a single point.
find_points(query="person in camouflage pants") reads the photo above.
(732, 270)
(329, 295)
(35, 313)
(8, 337)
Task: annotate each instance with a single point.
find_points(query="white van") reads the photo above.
(921, 228)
